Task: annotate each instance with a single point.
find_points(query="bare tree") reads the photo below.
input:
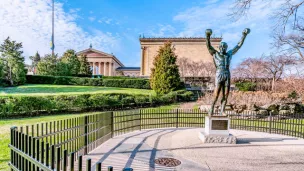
(250, 68)
(287, 10)
(292, 43)
(275, 66)
(182, 64)
(209, 69)
(190, 68)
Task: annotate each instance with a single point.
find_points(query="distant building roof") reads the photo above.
(178, 39)
(128, 69)
(97, 51)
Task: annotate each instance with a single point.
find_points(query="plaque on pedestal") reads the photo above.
(217, 130)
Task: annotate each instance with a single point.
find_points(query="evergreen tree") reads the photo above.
(35, 59)
(2, 80)
(85, 68)
(71, 62)
(165, 74)
(12, 62)
(47, 65)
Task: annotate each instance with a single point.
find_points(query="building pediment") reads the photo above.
(94, 53)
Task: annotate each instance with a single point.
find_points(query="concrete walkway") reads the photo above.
(254, 151)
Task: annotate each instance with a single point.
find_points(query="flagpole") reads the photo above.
(53, 53)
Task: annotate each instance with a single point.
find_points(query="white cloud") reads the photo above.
(29, 22)
(162, 31)
(210, 1)
(92, 19)
(214, 15)
(106, 20)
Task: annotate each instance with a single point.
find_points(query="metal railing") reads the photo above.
(51, 146)
(60, 145)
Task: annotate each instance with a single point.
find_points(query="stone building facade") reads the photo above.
(190, 48)
(128, 71)
(107, 64)
(101, 63)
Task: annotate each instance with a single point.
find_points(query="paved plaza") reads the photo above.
(254, 151)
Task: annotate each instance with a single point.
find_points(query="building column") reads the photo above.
(110, 68)
(95, 68)
(142, 61)
(105, 69)
(99, 68)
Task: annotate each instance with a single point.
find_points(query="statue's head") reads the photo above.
(223, 47)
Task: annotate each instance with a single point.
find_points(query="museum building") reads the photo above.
(192, 48)
(107, 64)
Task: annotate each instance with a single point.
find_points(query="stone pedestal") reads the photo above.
(217, 130)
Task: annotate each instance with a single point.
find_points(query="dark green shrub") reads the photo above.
(123, 82)
(128, 100)
(119, 77)
(293, 95)
(246, 86)
(33, 105)
(127, 83)
(63, 80)
(4, 83)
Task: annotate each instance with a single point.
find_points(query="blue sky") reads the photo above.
(114, 26)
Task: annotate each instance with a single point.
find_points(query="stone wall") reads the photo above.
(192, 49)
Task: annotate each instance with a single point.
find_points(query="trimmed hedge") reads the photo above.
(127, 83)
(4, 83)
(63, 80)
(123, 82)
(35, 105)
(120, 77)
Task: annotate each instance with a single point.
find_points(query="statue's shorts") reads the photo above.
(222, 77)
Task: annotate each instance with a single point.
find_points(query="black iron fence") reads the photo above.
(60, 145)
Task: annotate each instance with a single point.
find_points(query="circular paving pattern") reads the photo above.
(168, 162)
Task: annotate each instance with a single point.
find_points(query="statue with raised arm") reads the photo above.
(221, 61)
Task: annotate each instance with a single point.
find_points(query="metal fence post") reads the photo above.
(86, 122)
(88, 165)
(79, 163)
(58, 158)
(98, 166)
(13, 159)
(140, 119)
(270, 122)
(72, 161)
(112, 124)
(176, 118)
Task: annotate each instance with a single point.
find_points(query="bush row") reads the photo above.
(35, 105)
(246, 86)
(127, 83)
(106, 81)
(63, 80)
(3, 83)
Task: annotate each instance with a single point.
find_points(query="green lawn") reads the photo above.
(288, 125)
(46, 89)
(6, 124)
(5, 132)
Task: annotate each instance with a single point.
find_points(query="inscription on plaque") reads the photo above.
(219, 125)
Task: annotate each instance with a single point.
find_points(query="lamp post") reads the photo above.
(53, 45)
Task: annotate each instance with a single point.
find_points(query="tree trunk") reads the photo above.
(272, 84)
(10, 77)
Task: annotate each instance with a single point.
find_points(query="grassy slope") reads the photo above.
(7, 123)
(46, 89)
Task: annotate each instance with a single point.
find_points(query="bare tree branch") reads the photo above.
(287, 10)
